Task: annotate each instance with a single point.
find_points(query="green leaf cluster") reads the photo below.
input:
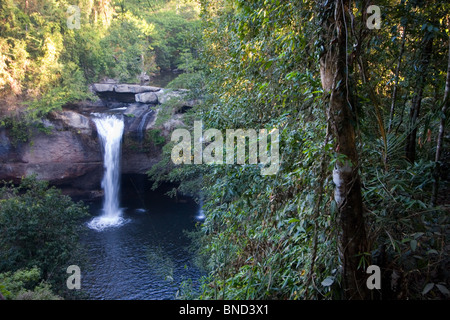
(39, 227)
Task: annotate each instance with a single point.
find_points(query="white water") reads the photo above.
(110, 129)
(200, 215)
(141, 129)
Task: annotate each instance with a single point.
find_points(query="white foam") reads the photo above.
(110, 130)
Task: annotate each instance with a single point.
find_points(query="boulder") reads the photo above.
(134, 116)
(129, 93)
(103, 87)
(147, 97)
(123, 88)
(74, 120)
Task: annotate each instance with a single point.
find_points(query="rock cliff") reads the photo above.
(70, 157)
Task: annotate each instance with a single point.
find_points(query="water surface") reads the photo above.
(147, 257)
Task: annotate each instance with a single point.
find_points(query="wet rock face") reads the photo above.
(5, 144)
(64, 158)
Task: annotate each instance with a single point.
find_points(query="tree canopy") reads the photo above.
(51, 50)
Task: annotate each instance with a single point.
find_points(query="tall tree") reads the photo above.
(335, 81)
(427, 49)
(440, 140)
(396, 79)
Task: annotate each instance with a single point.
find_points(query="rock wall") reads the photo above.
(65, 158)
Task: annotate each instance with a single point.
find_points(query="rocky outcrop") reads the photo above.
(147, 97)
(65, 120)
(122, 88)
(65, 158)
(103, 87)
(130, 93)
(134, 88)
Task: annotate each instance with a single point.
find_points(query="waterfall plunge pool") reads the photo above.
(147, 257)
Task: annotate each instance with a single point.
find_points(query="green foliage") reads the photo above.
(39, 227)
(154, 136)
(123, 50)
(72, 88)
(176, 31)
(43, 64)
(24, 284)
(194, 82)
(407, 233)
(13, 283)
(193, 76)
(259, 231)
(275, 237)
(262, 233)
(19, 130)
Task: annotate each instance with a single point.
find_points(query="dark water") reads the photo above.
(146, 258)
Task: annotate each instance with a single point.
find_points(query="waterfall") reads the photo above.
(110, 129)
(200, 215)
(141, 127)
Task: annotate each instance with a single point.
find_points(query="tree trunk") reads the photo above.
(440, 140)
(397, 72)
(410, 149)
(334, 71)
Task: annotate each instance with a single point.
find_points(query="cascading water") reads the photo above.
(110, 129)
(141, 127)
